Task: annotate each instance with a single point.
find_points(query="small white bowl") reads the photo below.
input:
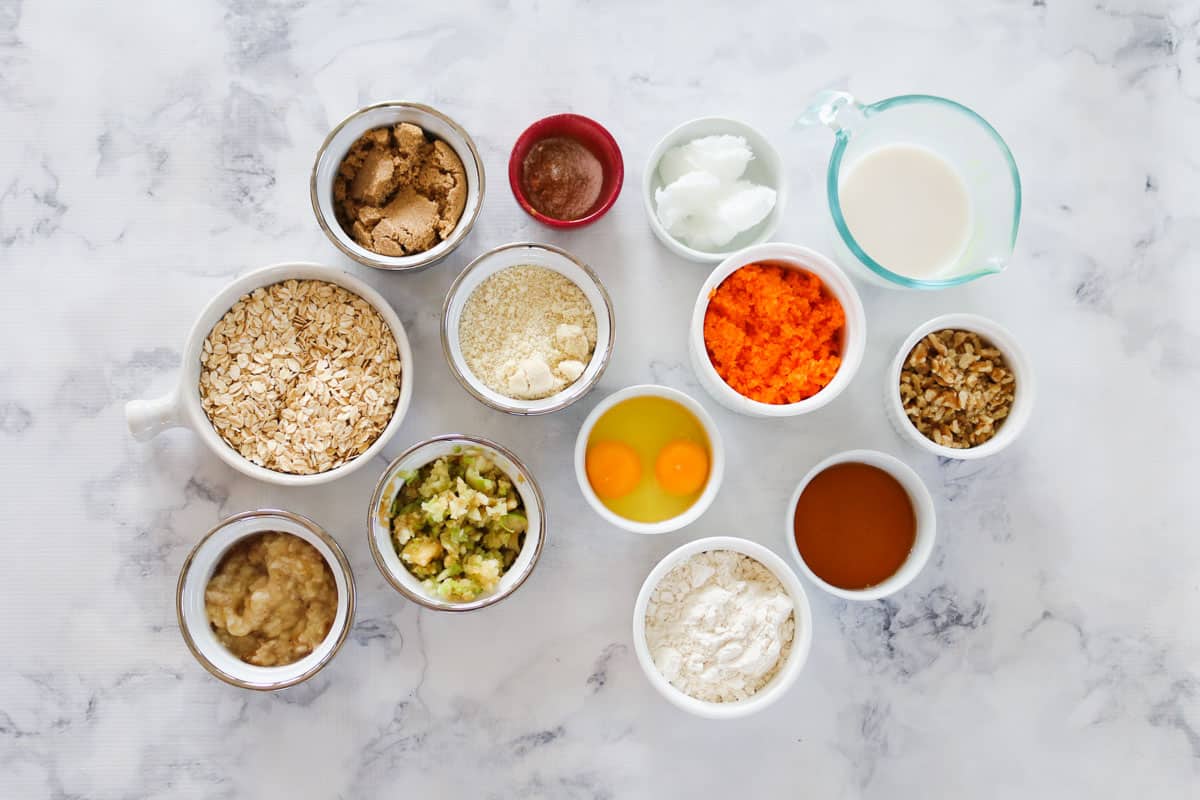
(766, 170)
(716, 469)
(922, 507)
(854, 335)
(198, 569)
(338, 143)
(527, 254)
(801, 643)
(380, 537)
(1023, 397)
(182, 408)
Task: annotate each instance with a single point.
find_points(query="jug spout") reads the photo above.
(838, 111)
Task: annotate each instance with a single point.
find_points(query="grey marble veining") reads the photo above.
(153, 151)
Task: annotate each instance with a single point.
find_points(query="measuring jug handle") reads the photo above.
(828, 108)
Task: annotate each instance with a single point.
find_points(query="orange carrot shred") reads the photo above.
(774, 334)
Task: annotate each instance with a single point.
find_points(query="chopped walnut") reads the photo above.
(956, 388)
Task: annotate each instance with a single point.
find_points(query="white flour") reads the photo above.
(719, 626)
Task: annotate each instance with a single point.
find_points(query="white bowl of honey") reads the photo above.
(861, 525)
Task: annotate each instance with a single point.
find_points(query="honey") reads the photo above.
(854, 525)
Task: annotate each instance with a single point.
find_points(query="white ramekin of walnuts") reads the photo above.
(960, 387)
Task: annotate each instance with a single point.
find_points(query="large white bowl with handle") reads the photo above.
(181, 408)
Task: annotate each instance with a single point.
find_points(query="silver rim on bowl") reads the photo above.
(421, 598)
(576, 390)
(343, 565)
(461, 230)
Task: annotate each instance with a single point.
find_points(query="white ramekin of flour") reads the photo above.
(713, 657)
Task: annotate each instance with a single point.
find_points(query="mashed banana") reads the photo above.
(272, 599)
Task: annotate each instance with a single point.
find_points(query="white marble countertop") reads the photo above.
(153, 151)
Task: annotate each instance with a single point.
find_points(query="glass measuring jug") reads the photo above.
(948, 131)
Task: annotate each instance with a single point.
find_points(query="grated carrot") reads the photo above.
(774, 334)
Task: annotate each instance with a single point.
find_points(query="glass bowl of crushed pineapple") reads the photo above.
(456, 523)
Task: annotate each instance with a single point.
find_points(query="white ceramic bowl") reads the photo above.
(716, 469)
(380, 537)
(1018, 362)
(199, 567)
(801, 643)
(854, 335)
(527, 254)
(922, 507)
(347, 132)
(181, 408)
(766, 170)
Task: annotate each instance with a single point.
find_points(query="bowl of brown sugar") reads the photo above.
(397, 186)
(861, 525)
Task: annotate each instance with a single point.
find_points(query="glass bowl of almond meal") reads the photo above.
(527, 328)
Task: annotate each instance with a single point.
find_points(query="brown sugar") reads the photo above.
(398, 192)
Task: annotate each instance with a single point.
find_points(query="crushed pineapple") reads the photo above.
(458, 524)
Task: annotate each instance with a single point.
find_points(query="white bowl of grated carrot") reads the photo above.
(850, 343)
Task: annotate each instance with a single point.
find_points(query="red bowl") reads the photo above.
(595, 138)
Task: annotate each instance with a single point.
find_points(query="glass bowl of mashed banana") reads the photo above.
(456, 523)
(265, 599)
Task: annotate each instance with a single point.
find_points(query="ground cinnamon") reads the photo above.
(562, 178)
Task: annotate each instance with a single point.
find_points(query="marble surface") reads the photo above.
(153, 151)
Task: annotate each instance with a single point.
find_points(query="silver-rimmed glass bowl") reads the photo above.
(338, 143)
(198, 569)
(537, 255)
(380, 536)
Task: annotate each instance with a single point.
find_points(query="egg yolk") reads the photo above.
(681, 467)
(613, 469)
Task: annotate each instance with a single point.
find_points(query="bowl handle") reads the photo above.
(148, 418)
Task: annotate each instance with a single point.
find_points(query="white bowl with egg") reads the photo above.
(339, 141)
(379, 534)
(716, 468)
(793, 662)
(537, 255)
(765, 169)
(1024, 389)
(198, 569)
(182, 407)
(790, 256)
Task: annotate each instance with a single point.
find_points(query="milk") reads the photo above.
(908, 209)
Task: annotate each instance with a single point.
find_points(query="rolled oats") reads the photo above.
(300, 376)
(956, 388)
